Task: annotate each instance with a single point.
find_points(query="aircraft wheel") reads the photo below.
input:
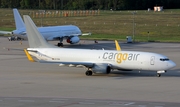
(108, 70)
(60, 44)
(88, 73)
(158, 75)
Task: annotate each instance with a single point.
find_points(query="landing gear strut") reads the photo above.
(160, 72)
(60, 44)
(89, 73)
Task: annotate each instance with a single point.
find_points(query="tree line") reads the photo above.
(89, 4)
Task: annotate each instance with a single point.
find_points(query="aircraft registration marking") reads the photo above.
(55, 58)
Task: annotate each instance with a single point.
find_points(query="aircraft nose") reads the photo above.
(171, 64)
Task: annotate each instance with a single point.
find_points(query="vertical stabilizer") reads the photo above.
(35, 39)
(18, 20)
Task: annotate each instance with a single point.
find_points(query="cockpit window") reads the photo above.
(164, 59)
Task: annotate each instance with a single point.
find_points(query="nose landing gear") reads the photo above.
(160, 72)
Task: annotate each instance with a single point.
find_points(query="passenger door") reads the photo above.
(152, 60)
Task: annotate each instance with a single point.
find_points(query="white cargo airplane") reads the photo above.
(69, 32)
(96, 61)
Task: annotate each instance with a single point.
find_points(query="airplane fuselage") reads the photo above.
(52, 32)
(116, 59)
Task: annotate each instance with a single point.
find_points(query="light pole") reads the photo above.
(41, 12)
(61, 4)
(39, 3)
(148, 36)
(133, 26)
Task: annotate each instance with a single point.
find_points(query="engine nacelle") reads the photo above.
(101, 68)
(73, 40)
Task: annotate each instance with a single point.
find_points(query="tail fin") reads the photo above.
(18, 20)
(35, 39)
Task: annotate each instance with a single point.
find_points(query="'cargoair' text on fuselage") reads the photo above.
(119, 57)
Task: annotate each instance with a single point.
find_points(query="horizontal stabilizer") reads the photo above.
(5, 32)
(29, 56)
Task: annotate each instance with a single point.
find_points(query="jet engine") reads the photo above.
(73, 40)
(101, 68)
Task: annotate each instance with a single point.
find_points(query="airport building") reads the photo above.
(158, 8)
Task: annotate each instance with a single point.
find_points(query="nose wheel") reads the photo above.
(89, 73)
(158, 74)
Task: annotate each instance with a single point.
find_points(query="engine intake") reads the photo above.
(101, 68)
(73, 40)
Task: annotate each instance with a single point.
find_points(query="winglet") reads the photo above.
(29, 56)
(118, 48)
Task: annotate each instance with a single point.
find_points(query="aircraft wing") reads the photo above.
(5, 32)
(83, 34)
(70, 64)
(86, 34)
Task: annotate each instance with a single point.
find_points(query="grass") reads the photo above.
(162, 26)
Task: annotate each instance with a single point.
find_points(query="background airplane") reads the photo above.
(96, 61)
(69, 32)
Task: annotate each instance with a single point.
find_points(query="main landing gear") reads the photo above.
(89, 73)
(60, 44)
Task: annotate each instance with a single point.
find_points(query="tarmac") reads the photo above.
(27, 84)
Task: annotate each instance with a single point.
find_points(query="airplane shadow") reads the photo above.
(132, 74)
